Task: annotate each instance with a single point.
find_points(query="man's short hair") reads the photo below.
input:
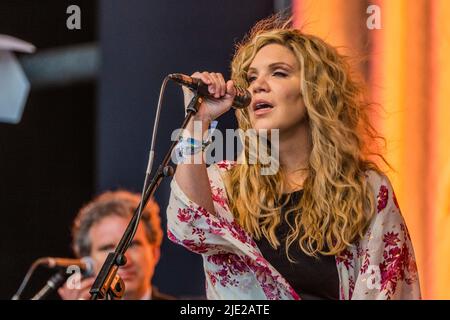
(114, 203)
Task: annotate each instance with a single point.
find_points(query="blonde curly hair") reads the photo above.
(337, 203)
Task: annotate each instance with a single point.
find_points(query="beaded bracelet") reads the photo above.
(188, 146)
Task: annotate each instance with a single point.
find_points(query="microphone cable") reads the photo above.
(27, 278)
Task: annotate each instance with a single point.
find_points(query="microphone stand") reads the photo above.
(108, 283)
(52, 284)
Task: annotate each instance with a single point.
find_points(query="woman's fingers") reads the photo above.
(223, 86)
(207, 78)
(204, 76)
(217, 86)
(231, 89)
(216, 81)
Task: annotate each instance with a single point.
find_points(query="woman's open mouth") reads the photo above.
(261, 108)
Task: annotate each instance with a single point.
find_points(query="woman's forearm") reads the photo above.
(191, 175)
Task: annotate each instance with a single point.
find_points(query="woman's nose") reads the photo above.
(259, 84)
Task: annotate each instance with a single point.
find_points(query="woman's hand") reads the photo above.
(212, 107)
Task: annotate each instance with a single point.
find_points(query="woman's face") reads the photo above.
(274, 82)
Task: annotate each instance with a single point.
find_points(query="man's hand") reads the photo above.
(79, 291)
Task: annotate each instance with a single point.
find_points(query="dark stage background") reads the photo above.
(78, 139)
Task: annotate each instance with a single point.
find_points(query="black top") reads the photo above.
(312, 278)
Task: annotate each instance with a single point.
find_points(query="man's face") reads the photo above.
(142, 256)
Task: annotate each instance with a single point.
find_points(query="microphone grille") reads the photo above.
(89, 262)
(242, 99)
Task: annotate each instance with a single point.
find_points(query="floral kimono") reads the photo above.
(379, 266)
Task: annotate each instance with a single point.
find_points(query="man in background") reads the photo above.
(98, 228)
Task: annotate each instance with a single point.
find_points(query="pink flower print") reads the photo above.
(345, 257)
(388, 277)
(172, 237)
(294, 294)
(366, 263)
(230, 261)
(238, 232)
(351, 286)
(198, 248)
(390, 239)
(231, 266)
(261, 270)
(383, 197)
(184, 215)
(217, 232)
(203, 212)
(200, 234)
(396, 261)
(359, 250)
(212, 278)
(224, 165)
(218, 196)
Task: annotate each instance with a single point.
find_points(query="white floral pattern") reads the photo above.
(379, 266)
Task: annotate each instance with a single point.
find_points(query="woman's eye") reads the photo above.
(279, 74)
(251, 79)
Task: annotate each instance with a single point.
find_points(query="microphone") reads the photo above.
(241, 100)
(52, 284)
(86, 264)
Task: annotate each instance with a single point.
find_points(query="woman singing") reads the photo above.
(326, 224)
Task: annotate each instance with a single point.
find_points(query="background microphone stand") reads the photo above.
(108, 284)
(52, 284)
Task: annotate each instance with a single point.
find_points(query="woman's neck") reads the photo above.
(294, 152)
